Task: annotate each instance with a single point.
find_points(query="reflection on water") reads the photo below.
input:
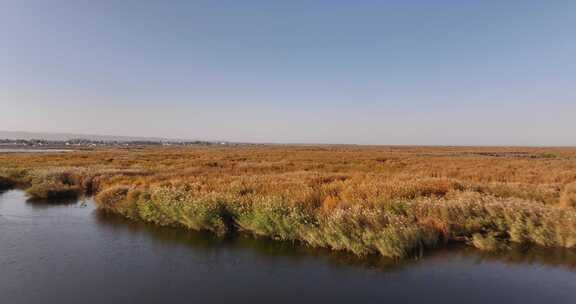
(48, 203)
(264, 248)
(553, 257)
(66, 251)
(269, 248)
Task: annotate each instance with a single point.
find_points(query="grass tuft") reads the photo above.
(568, 196)
(486, 242)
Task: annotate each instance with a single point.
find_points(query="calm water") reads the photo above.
(66, 252)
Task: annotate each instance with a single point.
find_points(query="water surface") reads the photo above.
(65, 252)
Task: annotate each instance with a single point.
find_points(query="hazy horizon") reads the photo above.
(388, 72)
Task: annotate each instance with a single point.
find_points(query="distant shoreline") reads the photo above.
(33, 150)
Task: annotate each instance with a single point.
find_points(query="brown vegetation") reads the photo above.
(568, 196)
(395, 201)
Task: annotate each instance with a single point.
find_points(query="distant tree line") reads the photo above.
(89, 142)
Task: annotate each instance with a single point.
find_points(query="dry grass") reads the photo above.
(487, 242)
(568, 196)
(394, 201)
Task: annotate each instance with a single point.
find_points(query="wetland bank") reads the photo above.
(397, 202)
(289, 224)
(69, 251)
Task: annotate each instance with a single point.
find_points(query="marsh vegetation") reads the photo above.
(392, 201)
(93, 252)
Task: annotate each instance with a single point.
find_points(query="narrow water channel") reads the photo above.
(69, 252)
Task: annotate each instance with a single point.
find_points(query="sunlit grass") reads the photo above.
(392, 201)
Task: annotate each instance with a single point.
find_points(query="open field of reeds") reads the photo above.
(392, 201)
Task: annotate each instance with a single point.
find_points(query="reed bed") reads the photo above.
(392, 201)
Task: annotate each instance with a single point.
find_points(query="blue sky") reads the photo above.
(367, 72)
